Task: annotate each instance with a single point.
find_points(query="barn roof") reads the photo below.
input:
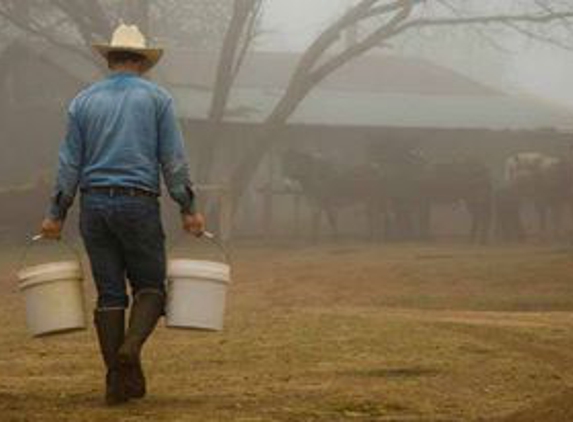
(372, 91)
(336, 108)
(367, 73)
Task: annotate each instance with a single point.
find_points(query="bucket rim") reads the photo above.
(25, 285)
(50, 267)
(177, 280)
(199, 261)
(210, 270)
(28, 283)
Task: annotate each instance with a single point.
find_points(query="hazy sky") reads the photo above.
(546, 71)
(292, 24)
(537, 70)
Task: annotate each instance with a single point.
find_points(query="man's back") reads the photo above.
(118, 120)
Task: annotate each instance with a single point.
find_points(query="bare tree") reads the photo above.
(240, 34)
(69, 25)
(385, 20)
(194, 25)
(74, 25)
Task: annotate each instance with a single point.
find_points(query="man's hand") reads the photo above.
(52, 229)
(194, 224)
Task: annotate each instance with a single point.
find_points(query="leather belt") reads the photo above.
(119, 191)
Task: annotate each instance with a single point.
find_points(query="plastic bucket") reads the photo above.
(53, 293)
(196, 294)
(54, 298)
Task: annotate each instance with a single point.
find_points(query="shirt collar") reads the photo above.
(123, 74)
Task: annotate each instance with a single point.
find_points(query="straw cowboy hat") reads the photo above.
(129, 38)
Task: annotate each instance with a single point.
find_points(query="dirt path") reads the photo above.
(352, 333)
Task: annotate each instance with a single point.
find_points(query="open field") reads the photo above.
(350, 332)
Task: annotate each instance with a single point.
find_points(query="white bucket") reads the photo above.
(54, 297)
(196, 294)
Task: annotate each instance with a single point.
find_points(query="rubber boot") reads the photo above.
(110, 327)
(146, 310)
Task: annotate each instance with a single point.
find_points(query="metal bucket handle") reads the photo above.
(34, 239)
(213, 239)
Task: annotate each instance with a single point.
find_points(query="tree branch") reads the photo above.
(328, 38)
(250, 33)
(490, 19)
(359, 48)
(27, 28)
(88, 16)
(538, 37)
(477, 30)
(226, 69)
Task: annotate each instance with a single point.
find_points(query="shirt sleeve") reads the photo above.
(173, 160)
(69, 168)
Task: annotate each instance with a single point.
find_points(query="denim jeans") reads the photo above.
(124, 239)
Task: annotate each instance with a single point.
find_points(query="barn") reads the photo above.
(375, 101)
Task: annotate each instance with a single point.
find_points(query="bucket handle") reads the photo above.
(213, 239)
(32, 240)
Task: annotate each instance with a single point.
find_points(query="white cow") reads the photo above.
(527, 165)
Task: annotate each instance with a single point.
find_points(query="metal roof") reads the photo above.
(336, 108)
(381, 73)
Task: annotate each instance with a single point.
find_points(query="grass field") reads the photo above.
(350, 332)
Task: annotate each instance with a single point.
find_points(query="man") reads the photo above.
(122, 132)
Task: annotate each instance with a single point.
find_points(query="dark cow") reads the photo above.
(544, 182)
(466, 181)
(330, 188)
(415, 185)
(402, 192)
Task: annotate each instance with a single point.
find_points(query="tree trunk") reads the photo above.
(248, 166)
(231, 55)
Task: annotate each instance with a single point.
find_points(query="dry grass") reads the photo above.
(333, 333)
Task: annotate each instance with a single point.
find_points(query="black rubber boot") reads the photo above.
(110, 327)
(146, 310)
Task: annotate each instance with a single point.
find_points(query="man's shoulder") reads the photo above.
(153, 87)
(88, 91)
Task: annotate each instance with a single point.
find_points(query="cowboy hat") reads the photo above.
(129, 38)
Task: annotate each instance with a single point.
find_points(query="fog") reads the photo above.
(551, 79)
(443, 94)
(525, 66)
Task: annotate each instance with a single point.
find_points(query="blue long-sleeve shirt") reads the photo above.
(123, 132)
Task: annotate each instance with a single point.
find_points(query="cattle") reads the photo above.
(544, 182)
(330, 188)
(401, 192)
(466, 181)
(416, 185)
